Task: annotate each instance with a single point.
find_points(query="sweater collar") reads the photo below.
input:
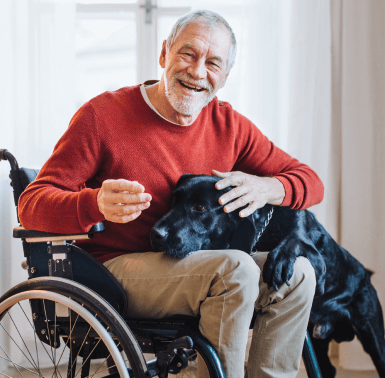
(164, 121)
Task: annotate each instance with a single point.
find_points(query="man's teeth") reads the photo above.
(193, 87)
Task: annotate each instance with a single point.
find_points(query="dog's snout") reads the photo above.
(159, 234)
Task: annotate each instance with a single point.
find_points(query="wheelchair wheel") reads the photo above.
(54, 327)
(203, 355)
(192, 358)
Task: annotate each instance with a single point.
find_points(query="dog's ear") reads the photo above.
(244, 236)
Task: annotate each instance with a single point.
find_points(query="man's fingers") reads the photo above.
(230, 179)
(121, 201)
(123, 185)
(128, 198)
(240, 202)
(243, 201)
(120, 209)
(250, 209)
(116, 218)
(214, 172)
(234, 193)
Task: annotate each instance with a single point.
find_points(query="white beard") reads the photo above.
(187, 105)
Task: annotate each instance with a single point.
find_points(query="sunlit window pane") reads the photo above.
(105, 55)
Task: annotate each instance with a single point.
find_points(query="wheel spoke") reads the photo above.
(34, 336)
(5, 375)
(84, 361)
(48, 333)
(12, 362)
(21, 337)
(35, 333)
(77, 355)
(69, 337)
(16, 345)
(101, 366)
(24, 368)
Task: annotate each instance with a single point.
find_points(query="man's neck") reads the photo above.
(157, 96)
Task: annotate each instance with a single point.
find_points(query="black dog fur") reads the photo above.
(346, 303)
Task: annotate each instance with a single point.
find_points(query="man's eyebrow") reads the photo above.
(190, 47)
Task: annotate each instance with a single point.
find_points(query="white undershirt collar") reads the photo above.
(145, 97)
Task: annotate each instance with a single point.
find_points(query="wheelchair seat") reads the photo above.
(79, 311)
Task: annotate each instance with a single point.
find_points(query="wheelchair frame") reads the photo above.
(60, 272)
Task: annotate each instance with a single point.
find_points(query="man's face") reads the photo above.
(195, 67)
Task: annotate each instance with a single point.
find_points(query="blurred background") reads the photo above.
(309, 74)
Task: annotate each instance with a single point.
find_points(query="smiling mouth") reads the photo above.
(193, 88)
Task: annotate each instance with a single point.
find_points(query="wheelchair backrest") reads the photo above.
(81, 266)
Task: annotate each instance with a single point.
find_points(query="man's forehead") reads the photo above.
(197, 34)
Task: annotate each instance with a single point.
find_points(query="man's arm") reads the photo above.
(263, 173)
(58, 201)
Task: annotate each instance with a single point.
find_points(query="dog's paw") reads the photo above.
(278, 269)
(322, 331)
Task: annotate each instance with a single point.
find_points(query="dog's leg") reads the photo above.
(321, 348)
(368, 323)
(279, 265)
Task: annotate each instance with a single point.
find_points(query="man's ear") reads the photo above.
(244, 236)
(162, 57)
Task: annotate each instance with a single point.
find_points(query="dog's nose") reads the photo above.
(158, 234)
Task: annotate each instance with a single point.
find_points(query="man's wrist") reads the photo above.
(277, 191)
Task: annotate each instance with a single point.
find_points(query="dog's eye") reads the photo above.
(199, 208)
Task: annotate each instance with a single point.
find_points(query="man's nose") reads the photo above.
(197, 69)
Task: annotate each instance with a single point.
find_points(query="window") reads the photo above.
(118, 44)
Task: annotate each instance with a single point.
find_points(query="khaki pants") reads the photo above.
(224, 287)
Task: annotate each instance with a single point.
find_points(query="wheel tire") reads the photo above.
(99, 324)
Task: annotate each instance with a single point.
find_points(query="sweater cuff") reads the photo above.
(88, 210)
(288, 190)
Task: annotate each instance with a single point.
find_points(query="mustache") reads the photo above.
(199, 83)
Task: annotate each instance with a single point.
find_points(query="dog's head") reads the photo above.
(197, 221)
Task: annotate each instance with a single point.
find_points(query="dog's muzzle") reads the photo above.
(158, 236)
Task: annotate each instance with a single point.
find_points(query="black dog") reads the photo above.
(345, 304)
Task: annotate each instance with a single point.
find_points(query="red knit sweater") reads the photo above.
(116, 135)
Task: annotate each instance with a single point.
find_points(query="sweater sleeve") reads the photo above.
(259, 156)
(58, 201)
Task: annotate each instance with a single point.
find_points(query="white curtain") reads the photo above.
(37, 48)
(358, 118)
(310, 74)
(36, 103)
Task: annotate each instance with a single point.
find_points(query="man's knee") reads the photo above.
(234, 260)
(236, 269)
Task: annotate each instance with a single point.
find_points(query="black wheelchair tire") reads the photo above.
(96, 305)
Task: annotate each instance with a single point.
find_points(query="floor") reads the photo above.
(342, 373)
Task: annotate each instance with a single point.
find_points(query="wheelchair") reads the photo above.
(70, 317)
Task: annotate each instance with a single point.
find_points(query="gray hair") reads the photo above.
(211, 19)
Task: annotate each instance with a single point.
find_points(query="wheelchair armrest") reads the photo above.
(31, 236)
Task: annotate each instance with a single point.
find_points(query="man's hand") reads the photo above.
(250, 190)
(122, 201)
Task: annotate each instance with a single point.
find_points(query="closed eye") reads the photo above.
(199, 208)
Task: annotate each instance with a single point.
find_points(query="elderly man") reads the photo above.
(118, 162)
